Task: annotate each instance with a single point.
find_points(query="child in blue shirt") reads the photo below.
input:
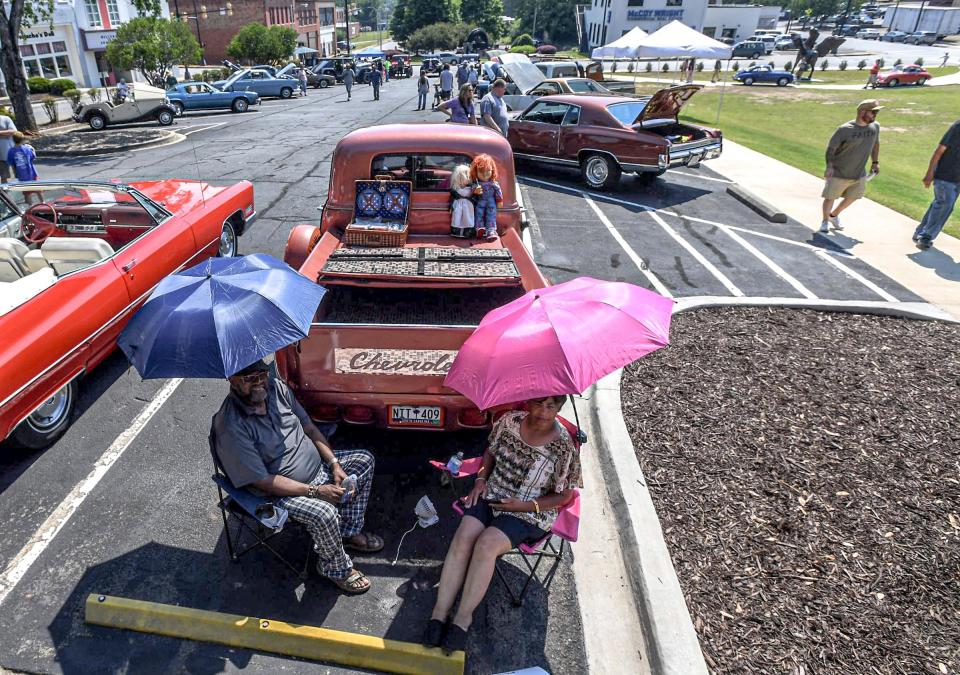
(20, 158)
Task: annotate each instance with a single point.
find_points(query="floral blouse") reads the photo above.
(528, 472)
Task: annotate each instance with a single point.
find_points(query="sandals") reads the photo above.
(356, 583)
(433, 633)
(455, 640)
(372, 544)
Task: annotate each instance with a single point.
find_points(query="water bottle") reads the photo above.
(349, 486)
(454, 463)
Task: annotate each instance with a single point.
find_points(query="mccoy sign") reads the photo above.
(374, 361)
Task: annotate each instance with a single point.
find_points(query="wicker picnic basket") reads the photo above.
(380, 214)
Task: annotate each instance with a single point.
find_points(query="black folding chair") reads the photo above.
(261, 518)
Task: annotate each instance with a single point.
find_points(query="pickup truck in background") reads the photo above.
(390, 325)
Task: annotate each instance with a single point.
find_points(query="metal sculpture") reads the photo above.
(808, 51)
(477, 41)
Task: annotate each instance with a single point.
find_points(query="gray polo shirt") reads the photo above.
(252, 447)
(493, 105)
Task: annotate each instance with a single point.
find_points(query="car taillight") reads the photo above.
(358, 414)
(471, 417)
(325, 413)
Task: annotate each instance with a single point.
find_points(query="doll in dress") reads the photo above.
(483, 171)
(461, 202)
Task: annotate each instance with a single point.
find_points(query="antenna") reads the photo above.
(196, 164)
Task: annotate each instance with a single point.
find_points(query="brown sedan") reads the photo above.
(607, 135)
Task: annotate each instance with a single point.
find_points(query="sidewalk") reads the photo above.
(876, 234)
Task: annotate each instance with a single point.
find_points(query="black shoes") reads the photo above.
(455, 640)
(923, 243)
(433, 634)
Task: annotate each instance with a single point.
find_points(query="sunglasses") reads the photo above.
(253, 378)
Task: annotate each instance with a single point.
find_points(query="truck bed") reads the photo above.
(421, 306)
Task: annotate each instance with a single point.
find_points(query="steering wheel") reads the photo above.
(35, 225)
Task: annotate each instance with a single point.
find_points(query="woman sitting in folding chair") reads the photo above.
(529, 470)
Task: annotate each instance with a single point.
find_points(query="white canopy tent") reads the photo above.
(624, 47)
(677, 40)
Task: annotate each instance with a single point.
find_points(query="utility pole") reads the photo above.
(346, 23)
(894, 15)
(916, 26)
(536, 6)
(843, 19)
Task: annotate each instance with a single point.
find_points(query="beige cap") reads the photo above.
(869, 104)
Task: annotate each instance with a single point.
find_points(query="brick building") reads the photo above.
(215, 22)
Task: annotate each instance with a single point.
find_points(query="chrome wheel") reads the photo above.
(97, 122)
(53, 412)
(228, 241)
(597, 170)
(178, 109)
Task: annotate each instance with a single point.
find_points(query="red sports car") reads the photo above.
(87, 256)
(607, 135)
(913, 74)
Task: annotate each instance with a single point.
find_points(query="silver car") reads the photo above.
(921, 37)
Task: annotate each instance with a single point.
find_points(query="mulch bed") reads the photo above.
(805, 467)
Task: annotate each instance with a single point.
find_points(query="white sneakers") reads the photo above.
(831, 220)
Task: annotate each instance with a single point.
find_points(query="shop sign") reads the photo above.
(97, 40)
(375, 361)
(37, 35)
(654, 14)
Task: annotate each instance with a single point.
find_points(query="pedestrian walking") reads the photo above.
(473, 78)
(493, 108)
(375, 77)
(872, 78)
(463, 74)
(716, 71)
(944, 174)
(423, 89)
(691, 66)
(21, 158)
(303, 81)
(349, 75)
(460, 109)
(850, 146)
(946, 57)
(7, 130)
(385, 71)
(446, 82)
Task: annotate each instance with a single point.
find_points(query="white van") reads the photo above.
(552, 69)
(769, 41)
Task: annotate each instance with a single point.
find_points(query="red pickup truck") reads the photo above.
(393, 318)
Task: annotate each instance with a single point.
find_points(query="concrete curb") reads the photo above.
(765, 209)
(672, 643)
(169, 138)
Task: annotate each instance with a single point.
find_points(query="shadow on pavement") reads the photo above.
(941, 263)
(399, 603)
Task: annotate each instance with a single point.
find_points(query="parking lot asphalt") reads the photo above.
(149, 529)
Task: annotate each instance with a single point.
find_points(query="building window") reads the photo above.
(634, 3)
(93, 13)
(114, 11)
(674, 3)
(46, 59)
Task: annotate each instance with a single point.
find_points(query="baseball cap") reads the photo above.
(869, 104)
(257, 366)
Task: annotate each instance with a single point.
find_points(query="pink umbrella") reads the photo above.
(559, 340)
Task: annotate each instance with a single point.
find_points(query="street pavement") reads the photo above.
(150, 529)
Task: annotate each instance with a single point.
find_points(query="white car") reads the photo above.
(784, 44)
(868, 34)
(769, 41)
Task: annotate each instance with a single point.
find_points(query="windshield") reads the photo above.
(585, 87)
(627, 113)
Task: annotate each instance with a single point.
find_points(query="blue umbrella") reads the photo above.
(220, 316)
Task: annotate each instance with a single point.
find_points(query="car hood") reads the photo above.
(178, 196)
(667, 103)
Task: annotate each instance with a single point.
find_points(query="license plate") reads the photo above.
(430, 416)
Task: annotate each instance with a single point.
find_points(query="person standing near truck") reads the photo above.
(374, 77)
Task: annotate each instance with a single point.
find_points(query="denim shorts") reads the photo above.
(518, 531)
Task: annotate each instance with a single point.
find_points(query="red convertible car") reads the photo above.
(607, 135)
(912, 74)
(88, 255)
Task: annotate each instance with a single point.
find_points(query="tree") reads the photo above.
(152, 46)
(483, 14)
(438, 36)
(367, 12)
(259, 44)
(555, 21)
(412, 15)
(12, 18)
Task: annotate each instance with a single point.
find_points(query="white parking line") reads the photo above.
(688, 247)
(202, 128)
(856, 275)
(637, 260)
(42, 538)
(774, 267)
(783, 240)
(699, 177)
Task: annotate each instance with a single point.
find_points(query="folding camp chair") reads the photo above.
(261, 517)
(565, 528)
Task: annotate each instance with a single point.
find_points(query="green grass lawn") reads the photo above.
(369, 38)
(794, 126)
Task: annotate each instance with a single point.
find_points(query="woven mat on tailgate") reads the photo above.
(422, 262)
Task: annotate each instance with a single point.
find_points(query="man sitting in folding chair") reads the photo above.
(265, 440)
(530, 468)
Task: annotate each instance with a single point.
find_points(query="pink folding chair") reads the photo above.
(565, 528)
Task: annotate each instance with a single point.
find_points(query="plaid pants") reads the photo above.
(328, 524)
